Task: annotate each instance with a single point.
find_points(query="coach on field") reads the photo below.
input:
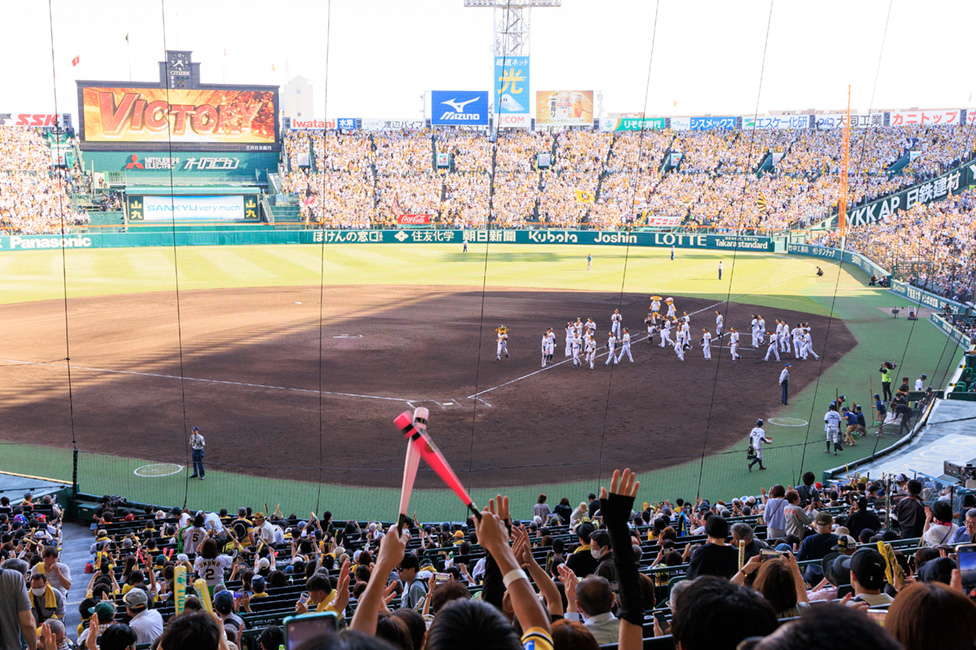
(784, 381)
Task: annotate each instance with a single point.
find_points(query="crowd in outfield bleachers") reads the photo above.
(788, 567)
(597, 180)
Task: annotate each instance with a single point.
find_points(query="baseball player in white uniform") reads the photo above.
(734, 344)
(577, 343)
(590, 348)
(784, 337)
(719, 321)
(625, 347)
(808, 345)
(762, 329)
(545, 349)
(832, 428)
(686, 332)
(758, 438)
(615, 322)
(773, 348)
(679, 349)
(502, 343)
(797, 334)
(611, 347)
(755, 331)
(666, 333)
(590, 325)
(706, 343)
(569, 338)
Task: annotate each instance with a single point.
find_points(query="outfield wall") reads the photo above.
(226, 237)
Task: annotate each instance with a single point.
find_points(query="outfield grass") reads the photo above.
(774, 281)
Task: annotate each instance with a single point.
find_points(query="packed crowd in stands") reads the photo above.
(34, 196)
(938, 238)
(816, 566)
(715, 183)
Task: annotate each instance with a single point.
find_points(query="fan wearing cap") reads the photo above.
(867, 571)
(197, 443)
(105, 613)
(818, 545)
(757, 438)
(262, 530)
(223, 604)
(146, 623)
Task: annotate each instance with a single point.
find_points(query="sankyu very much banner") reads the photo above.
(191, 208)
(459, 107)
(564, 107)
(941, 187)
(154, 118)
(512, 91)
(633, 123)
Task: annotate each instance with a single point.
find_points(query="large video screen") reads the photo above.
(153, 118)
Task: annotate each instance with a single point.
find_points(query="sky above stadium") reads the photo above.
(384, 54)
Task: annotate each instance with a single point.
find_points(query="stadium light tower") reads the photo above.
(512, 22)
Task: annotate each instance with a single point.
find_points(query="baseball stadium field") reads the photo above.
(294, 360)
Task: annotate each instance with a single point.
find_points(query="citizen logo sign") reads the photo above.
(458, 114)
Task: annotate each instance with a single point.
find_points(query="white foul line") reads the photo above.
(213, 381)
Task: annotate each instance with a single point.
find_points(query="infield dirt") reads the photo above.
(244, 366)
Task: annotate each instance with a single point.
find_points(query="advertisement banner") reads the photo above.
(930, 118)
(952, 182)
(513, 121)
(787, 121)
(30, 119)
(382, 124)
(564, 107)
(511, 86)
(661, 221)
(459, 107)
(826, 121)
(238, 237)
(191, 208)
(413, 219)
(182, 163)
(712, 123)
(633, 124)
(335, 124)
(152, 117)
(680, 123)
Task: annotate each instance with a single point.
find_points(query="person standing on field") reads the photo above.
(832, 422)
(615, 322)
(589, 262)
(197, 443)
(784, 382)
(757, 438)
(773, 348)
(666, 333)
(720, 269)
(719, 321)
(611, 348)
(706, 343)
(734, 344)
(589, 348)
(625, 347)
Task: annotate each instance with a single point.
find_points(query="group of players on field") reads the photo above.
(581, 343)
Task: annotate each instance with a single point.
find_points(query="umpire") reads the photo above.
(197, 443)
(784, 382)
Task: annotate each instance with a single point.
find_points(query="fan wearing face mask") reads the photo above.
(45, 602)
(603, 554)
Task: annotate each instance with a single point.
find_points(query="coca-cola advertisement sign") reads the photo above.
(413, 219)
